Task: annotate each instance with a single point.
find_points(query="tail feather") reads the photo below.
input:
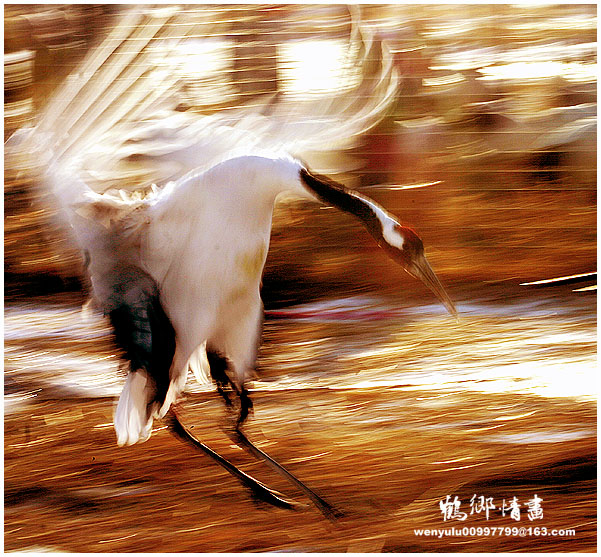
(199, 365)
(133, 421)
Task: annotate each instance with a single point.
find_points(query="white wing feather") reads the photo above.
(114, 123)
(115, 119)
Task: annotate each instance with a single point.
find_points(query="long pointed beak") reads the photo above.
(420, 268)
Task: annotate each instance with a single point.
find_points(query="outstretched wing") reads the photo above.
(117, 119)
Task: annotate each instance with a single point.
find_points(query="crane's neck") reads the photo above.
(244, 189)
(379, 222)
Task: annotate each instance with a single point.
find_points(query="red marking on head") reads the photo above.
(412, 243)
(412, 246)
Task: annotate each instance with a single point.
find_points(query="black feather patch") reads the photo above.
(343, 198)
(142, 329)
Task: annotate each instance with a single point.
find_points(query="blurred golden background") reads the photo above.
(365, 389)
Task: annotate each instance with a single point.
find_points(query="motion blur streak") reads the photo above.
(378, 397)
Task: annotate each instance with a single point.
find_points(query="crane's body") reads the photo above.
(205, 245)
(199, 248)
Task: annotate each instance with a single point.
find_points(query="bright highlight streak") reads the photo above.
(314, 67)
(413, 186)
(559, 279)
(200, 58)
(572, 71)
(586, 289)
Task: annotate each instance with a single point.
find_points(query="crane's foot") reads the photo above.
(259, 490)
(328, 510)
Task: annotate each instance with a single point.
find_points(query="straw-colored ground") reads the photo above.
(384, 457)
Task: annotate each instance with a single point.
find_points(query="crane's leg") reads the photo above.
(329, 511)
(236, 344)
(218, 366)
(237, 435)
(169, 414)
(234, 348)
(259, 489)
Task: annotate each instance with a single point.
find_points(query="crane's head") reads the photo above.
(400, 242)
(404, 246)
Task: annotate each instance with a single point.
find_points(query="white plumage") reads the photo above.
(204, 240)
(132, 422)
(207, 251)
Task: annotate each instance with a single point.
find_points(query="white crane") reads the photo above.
(178, 270)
